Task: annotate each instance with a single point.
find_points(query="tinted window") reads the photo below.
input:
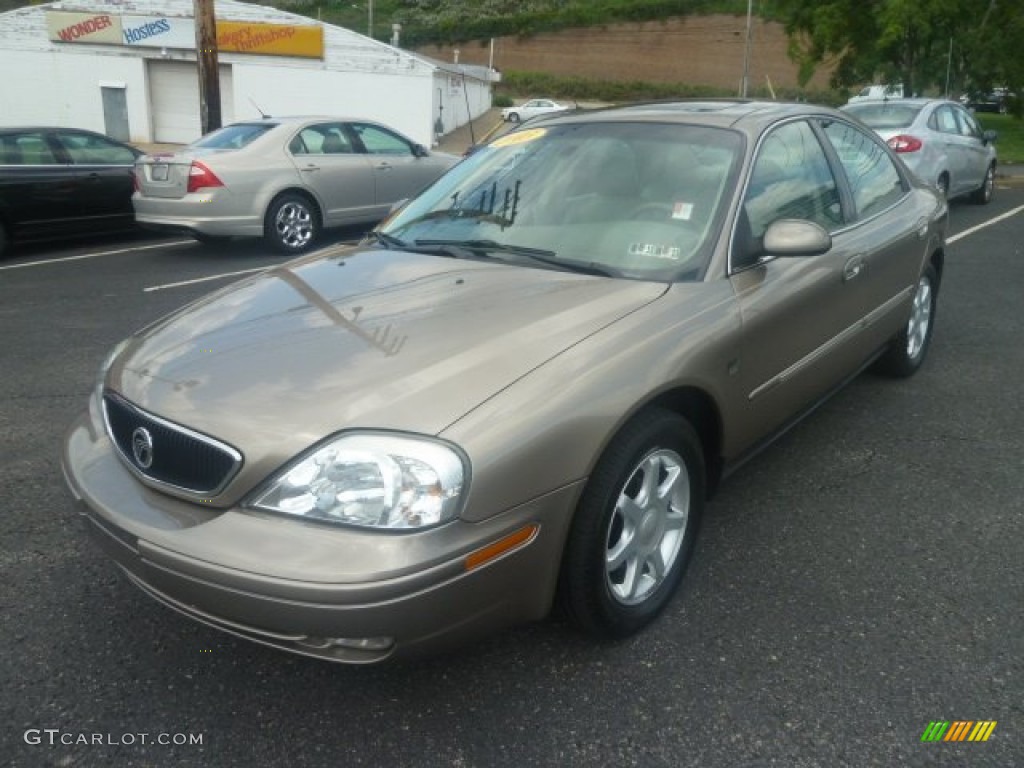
(378, 141)
(870, 171)
(234, 136)
(86, 149)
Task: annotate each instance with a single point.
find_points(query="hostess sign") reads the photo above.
(306, 41)
(158, 32)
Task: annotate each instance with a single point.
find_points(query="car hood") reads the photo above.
(374, 339)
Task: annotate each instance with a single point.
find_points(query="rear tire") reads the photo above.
(943, 185)
(983, 194)
(513, 117)
(634, 528)
(4, 241)
(909, 347)
(292, 223)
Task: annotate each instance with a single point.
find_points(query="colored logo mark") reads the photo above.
(958, 730)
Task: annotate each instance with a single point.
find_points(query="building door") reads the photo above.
(174, 100)
(115, 112)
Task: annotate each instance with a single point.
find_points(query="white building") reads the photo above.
(127, 68)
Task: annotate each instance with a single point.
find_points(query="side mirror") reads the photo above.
(796, 237)
(989, 137)
(419, 150)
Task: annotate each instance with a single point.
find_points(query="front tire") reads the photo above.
(635, 525)
(908, 349)
(292, 223)
(983, 194)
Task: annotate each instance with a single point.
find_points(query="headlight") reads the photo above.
(374, 480)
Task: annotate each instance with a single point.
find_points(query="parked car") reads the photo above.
(523, 384)
(61, 182)
(283, 179)
(939, 140)
(882, 91)
(532, 108)
(996, 100)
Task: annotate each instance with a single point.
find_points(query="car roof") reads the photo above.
(913, 102)
(745, 114)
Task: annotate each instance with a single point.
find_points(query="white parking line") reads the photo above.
(44, 262)
(205, 279)
(989, 223)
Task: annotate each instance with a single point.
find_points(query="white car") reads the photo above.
(532, 108)
(872, 92)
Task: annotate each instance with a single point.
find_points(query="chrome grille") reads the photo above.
(177, 456)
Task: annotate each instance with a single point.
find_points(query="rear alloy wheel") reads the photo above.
(910, 346)
(635, 526)
(983, 194)
(292, 224)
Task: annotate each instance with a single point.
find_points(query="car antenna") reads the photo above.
(263, 114)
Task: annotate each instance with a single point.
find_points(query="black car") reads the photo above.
(58, 182)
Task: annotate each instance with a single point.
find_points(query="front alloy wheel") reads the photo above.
(634, 527)
(983, 194)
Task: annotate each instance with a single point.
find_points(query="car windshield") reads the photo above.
(887, 115)
(638, 200)
(233, 136)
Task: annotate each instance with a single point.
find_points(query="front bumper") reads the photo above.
(288, 583)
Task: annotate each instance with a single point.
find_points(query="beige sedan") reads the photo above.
(283, 179)
(520, 390)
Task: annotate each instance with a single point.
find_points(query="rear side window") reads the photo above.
(871, 172)
(233, 136)
(26, 149)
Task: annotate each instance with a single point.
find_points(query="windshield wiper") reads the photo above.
(550, 258)
(388, 241)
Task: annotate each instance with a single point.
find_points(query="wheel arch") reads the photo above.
(701, 410)
(302, 192)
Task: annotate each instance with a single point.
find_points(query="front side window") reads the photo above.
(871, 172)
(790, 179)
(379, 141)
(636, 200)
(86, 149)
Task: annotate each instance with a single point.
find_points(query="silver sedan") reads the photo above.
(938, 140)
(284, 179)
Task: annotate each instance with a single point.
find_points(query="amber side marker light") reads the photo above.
(520, 538)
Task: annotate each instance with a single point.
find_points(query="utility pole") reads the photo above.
(744, 87)
(369, 20)
(209, 72)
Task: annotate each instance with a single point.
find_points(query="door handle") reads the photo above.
(853, 267)
(311, 168)
(384, 167)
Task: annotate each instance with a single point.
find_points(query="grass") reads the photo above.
(1010, 144)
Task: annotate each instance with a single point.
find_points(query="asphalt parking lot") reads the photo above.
(854, 583)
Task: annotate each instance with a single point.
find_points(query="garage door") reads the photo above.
(174, 97)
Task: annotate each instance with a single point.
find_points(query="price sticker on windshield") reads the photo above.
(519, 137)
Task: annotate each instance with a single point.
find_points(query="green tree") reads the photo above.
(920, 43)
